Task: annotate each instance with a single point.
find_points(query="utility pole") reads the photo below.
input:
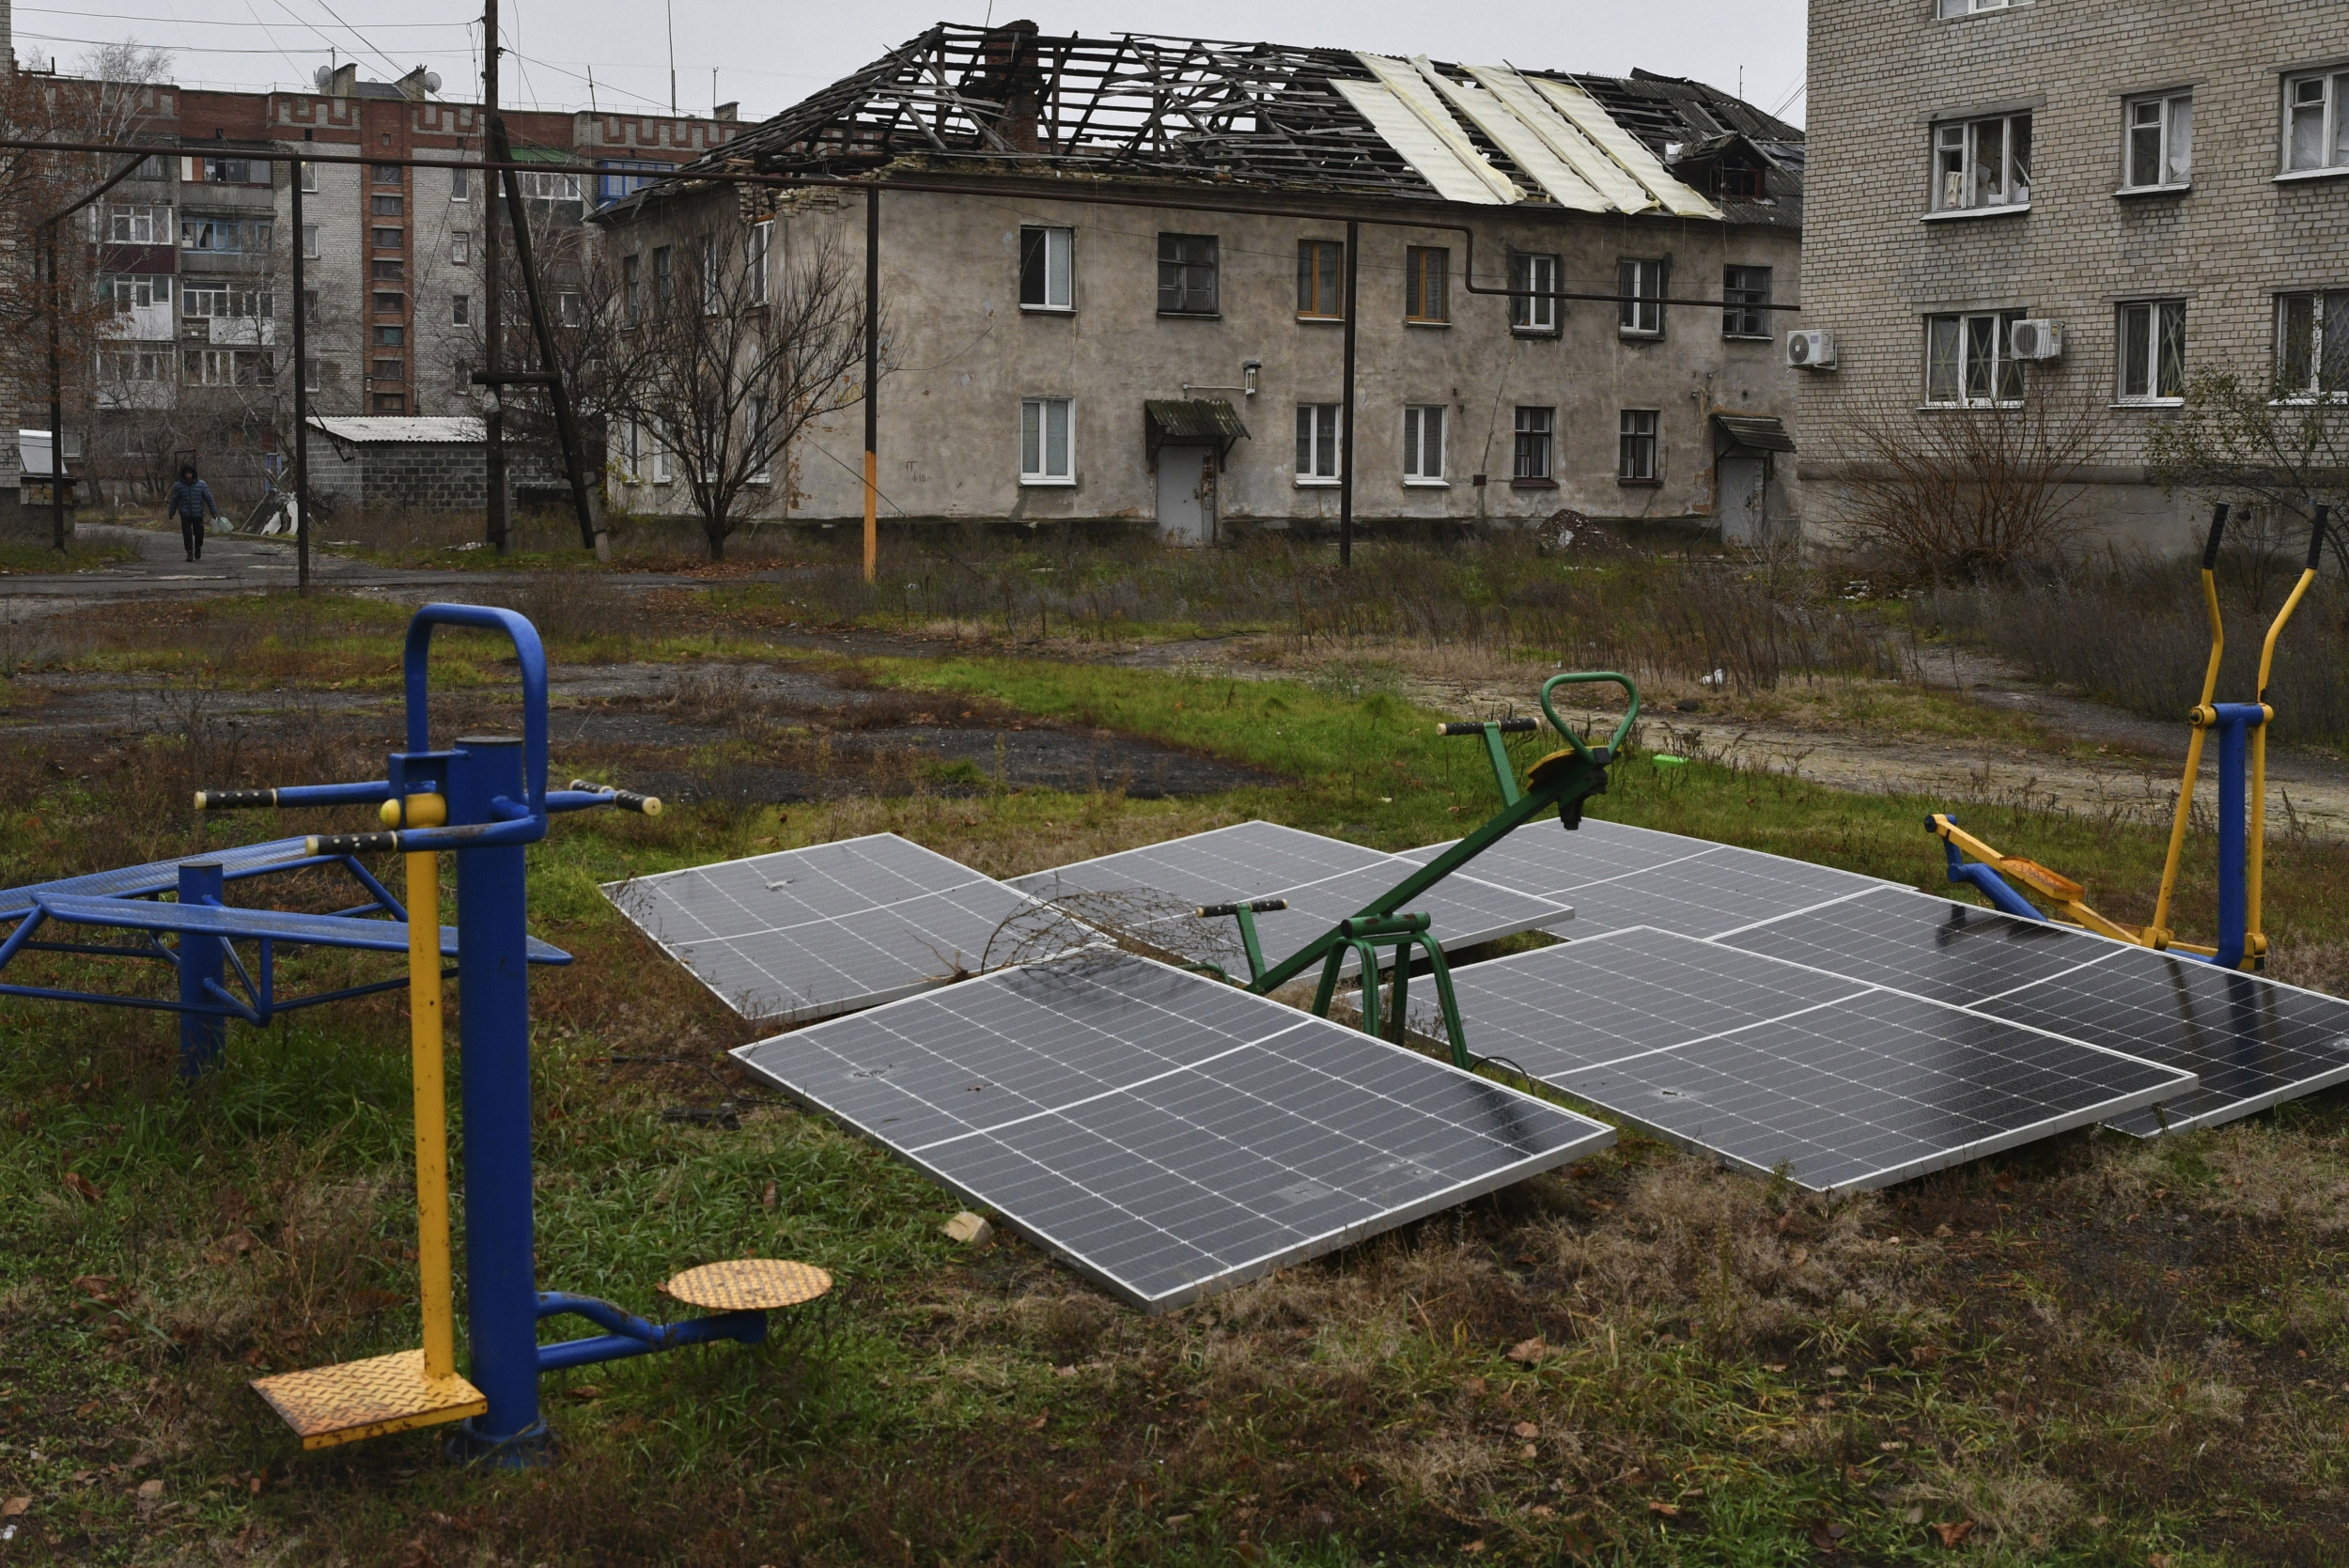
(492, 285)
(302, 397)
(57, 398)
(872, 378)
(1345, 414)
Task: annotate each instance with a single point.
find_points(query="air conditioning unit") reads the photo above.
(1810, 350)
(2037, 339)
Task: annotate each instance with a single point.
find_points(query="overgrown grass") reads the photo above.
(1641, 1359)
(33, 555)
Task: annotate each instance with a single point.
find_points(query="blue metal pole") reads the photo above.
(203, 1034)
(2234, 722)
(493, 1024)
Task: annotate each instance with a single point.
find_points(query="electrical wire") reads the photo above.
(212, 22)
(347, 27)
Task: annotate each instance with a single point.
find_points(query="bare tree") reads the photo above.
(1972, 489)
(2284, 446)
(735, 353)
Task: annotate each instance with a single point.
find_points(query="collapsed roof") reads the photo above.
(1011, 99)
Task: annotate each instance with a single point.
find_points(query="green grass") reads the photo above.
(1730, 1369)
(27, 555)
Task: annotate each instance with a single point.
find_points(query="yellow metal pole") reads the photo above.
(2158, 931)
(431, 1100)
(2256, 944)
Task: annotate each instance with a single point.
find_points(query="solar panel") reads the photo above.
(1160, 1131)
(1617, 877)
(803, 934)
(1772, 1066)
(1148, 892)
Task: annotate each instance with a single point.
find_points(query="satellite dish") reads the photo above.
(323, 78)
(431, 81)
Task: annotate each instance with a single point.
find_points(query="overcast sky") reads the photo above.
(768, 56)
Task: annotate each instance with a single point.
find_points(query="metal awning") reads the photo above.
(1754, 432)
(1189, 422)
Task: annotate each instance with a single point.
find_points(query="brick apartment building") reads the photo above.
(2166, 179)
(195, 251)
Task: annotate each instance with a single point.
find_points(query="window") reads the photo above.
(390, 372)
(1321, 271)
(1422, 445)
(390, 305)
(2316, 122)
(225, 171)
(1529, 463)
(390, 337)
(1425, 298)
(539, 186)
(226, 235)
(628, 289)
(569, 309)
(1948, 9)
(123, 366)
(1982, 165)
(1044, 441)
(386, 239)
(1186, 274)
(2153, 352)
(1046, 268)
(391, 402)
(309, 180)
(460, 184)
(387, 270)
(461, 247)
(310, 373)
(1745, 290)
(756, 431)
(310, 241)
(663, 279)
(1639, 312)
(710, 281)
(460, 310)
(225, 367)
(386, 207)
(660, 453)
(1635, 447)
(2161, 143)
(1316, 443)
(611, 187)
(1534, 276)
(1966, 365)
(2312, 344)
(223, 303)
(753, 262)
(135, 292)
(137, 226)
(387, 174)
(309, 304)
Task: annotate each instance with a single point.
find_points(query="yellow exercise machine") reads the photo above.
(2242, 843)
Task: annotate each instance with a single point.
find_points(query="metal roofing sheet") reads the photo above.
(369, 429)
(1194, 418)
(1409, 134)
(1578, 151)
(1402, 81)
(1525, 148)
(1762, 432)
(1624, 148)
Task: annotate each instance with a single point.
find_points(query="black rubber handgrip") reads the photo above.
(1254, 907)
(1506, 727)
(2218, 526)
(350, 843)
(626, 800)
(2316, 537)
(234, 800)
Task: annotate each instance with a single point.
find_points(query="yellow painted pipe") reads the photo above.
(2255, 944)
(426, 1065)
(2157, 930)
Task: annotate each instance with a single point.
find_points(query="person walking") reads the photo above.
(190, 498)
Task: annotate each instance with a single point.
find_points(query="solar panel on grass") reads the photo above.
(1160, 1131)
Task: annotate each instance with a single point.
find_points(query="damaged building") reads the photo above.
(1112, 272)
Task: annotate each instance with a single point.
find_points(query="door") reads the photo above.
(1741, 511)
(1187, 495)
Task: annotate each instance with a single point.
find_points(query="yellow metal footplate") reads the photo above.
(351, 1400)
(749, 1285)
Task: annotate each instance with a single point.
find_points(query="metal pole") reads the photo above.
(302, 399)
(872, 376)
(56, 399)
(566, 428)
(494, 299)
(493, 1031)
(1345, 414)
(201, 958)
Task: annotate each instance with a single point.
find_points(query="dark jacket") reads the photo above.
(193, 500)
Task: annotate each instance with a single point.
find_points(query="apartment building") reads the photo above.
(1111, 282)
(194, 253)
(2165, 182)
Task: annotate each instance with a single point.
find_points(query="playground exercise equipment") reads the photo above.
(484, 799)
(1562, 781)
(2242, 729)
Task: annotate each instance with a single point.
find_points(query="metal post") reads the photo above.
(56, 399)
(2233, 905)
(301, 398)
(551, 367)
(202, 1035)
(1345, 415)
(494, 299)
(872, 376)
(493, 1029)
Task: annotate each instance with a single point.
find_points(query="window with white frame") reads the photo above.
(1316, 443)
(1635, 446)
(118, 367)
(223, 302)
(2160, 143)
(755, 261)
(309, 179)
(1534, 277)
(537, 186)
(1044, 455)
(1530, 456)
(1639, 312)
(756, 432)
(225, 367)
(461, 247)
(2312, 344)
(460, 310)
(1946, 9)
(1047, 268)
(1745, 300)
(2153, 352)
(132, 291)
(659, 440)
(137, 225)
(310, 241)
(1422, 445)
(1981, 165)
(571, 308)
(2316, 122)
(1967, 362)
(460, 184)
(310, 374)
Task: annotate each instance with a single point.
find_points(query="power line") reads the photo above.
(388, 63)
(211, 21)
